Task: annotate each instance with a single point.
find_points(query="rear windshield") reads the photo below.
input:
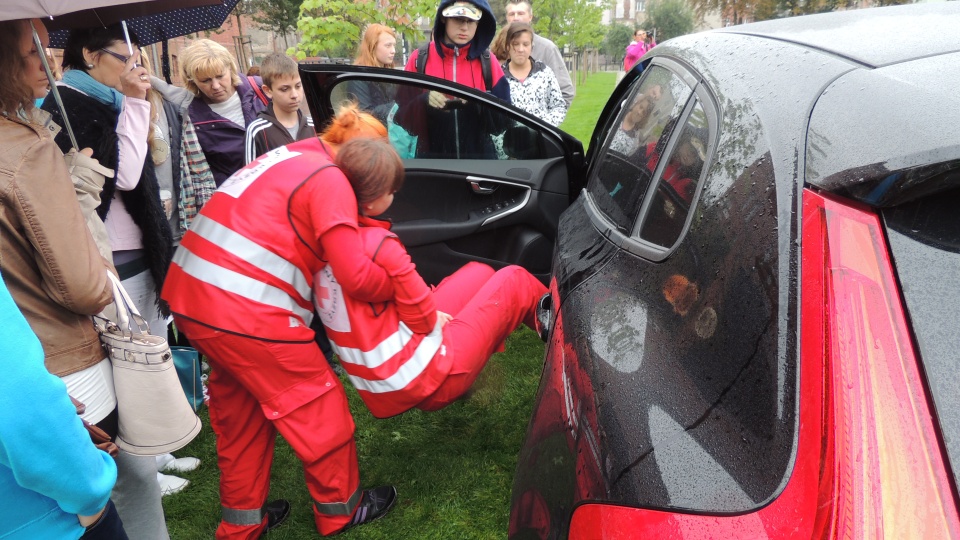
(924, 239)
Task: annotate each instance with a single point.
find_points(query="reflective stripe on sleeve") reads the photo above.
(339, 509)
(239, 284)
(244, 518)
(410, 370)
(247, 250)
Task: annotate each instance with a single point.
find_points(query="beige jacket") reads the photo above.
(48, 259)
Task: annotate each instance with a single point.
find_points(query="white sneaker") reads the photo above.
(180, 465)
(171, 484)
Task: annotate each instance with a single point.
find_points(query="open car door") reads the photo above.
(484, 181)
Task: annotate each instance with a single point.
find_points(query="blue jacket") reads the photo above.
(50, 471)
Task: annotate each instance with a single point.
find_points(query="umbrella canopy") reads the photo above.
(163, 23)
(86, 13)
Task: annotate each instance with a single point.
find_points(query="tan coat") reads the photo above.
(48, 259)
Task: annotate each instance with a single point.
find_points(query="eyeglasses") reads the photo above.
(116, 55)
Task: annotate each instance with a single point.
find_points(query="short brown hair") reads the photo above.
(277, 65)
(372, 166)
(514, 29)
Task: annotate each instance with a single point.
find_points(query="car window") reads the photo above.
(677, 185)
(638, 135)
(427, 124)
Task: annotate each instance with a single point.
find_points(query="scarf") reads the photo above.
(82, 81)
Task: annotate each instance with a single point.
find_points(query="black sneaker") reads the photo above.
(277, 511)
(373, 505)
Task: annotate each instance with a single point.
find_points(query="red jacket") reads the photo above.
(246, 265)
(392, 351)
(673, 174)
(456, 66)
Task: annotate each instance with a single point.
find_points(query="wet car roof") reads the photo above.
(872, 38)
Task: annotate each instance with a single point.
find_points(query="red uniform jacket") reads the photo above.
(393, 351)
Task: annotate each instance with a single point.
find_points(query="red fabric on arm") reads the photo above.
(413, 297)
(359, 276)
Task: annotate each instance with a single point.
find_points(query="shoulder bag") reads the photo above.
(153, 413)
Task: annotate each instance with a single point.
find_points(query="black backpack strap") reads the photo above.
(422, 53)
(485, 69)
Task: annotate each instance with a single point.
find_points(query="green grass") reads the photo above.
(588, 104)
(453, 468)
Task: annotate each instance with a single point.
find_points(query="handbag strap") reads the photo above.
(128, 318)
(256, 89)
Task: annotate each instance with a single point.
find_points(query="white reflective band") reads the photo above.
(238, 284)
(244, 518)
(340, 509)
(410, 370)
(253, 253)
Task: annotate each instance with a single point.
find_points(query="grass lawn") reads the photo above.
(588, 104)
(453, 468)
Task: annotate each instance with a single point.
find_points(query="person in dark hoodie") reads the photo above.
(454, 128)
(281, 123)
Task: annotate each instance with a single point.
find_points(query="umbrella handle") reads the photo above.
(53, 86)
(126, 35)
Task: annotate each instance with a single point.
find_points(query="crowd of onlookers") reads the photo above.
(237, 230)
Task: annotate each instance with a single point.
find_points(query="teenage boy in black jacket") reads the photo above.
(282, 122)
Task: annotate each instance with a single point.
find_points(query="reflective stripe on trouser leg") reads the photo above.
(340, 509)
(244, 518)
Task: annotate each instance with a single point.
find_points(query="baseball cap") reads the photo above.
(463, 9)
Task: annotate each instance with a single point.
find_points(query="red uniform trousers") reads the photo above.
(319, 431)
(486, 308)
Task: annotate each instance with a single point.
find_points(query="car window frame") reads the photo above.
(633, 243)
(322, 108)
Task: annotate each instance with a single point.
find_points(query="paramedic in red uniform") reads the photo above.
(240, 289)
(424, 348)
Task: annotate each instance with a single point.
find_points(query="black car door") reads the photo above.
(484, 180)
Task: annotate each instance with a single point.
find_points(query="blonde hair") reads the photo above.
(156, 104)
(367, 51)
(206, 57)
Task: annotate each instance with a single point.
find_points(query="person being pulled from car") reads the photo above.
(452, 127)
(423, 348)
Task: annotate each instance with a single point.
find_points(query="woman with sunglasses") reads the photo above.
(104, 95)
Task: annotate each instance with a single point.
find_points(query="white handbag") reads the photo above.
(153, 413)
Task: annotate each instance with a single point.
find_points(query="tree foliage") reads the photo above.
(337, 25)
(578, 23)
(615, 42)
(278, 16)
(670, 18)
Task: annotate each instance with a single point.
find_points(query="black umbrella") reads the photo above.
(153, 27)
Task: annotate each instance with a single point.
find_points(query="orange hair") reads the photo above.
(366, 52)
(351, 123)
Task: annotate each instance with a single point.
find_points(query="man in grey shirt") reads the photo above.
(543, 50)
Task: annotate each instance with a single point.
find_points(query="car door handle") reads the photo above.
(484, 188)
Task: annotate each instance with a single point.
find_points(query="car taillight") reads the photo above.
(883, 470)
(868, 464)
